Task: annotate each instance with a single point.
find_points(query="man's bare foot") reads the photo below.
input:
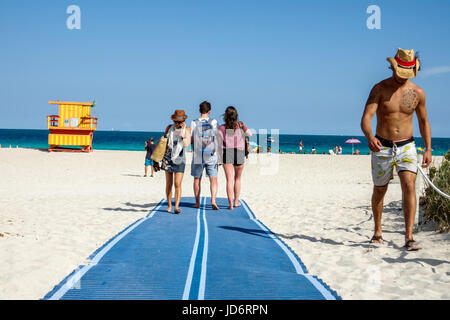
(197, 205)
(177, 211)
(237, 204)
(412, 245)
(214, 206)
(230, 207)
(377, 239)
(169, 209)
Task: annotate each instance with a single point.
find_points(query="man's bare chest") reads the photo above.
(402, 101)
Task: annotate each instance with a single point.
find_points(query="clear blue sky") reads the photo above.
(302, 67)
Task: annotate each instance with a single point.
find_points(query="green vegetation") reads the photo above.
(437, 208)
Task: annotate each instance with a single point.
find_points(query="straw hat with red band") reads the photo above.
(405, 64)
(179, 115)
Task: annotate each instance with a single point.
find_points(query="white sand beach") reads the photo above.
(56, 209)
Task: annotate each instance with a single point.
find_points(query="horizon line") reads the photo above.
(292, 134)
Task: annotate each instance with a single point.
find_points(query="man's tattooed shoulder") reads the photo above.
(374, 95)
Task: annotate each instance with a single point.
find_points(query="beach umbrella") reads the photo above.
(352, 141)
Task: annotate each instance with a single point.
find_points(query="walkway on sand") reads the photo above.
(199, 254)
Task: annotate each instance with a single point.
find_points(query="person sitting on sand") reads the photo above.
(394, 101)
(204, 156)
(149, 147)
(313, 150)
(174, 161)
(232, 135)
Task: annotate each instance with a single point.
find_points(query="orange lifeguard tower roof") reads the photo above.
(72, 103)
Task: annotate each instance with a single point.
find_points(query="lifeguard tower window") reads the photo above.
(74, 122)
(66, 122)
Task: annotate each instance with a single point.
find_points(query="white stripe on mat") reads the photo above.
(80, 273)
(201, 290)
(187, 287)
(297, 266)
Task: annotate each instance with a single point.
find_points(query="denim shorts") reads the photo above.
(197, 169)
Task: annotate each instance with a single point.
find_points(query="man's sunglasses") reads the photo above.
(178, 122)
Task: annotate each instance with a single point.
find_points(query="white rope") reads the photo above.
(431, 183)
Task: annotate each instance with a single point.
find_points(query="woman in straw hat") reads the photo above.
(174, 161)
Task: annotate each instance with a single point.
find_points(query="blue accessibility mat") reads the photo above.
(199, 254)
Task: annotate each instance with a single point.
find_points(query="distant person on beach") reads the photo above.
(232, 139)
(300, 147)
(247, 145)
(394, 101)
(313, 150)
(204, 156)
(149, 147)
(174, 161)
(339, 150)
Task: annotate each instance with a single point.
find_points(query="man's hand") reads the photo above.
(426, 160)
(375, 144)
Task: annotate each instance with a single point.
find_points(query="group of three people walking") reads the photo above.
(212, 145)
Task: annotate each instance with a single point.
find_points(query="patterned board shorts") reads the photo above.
(403, 158)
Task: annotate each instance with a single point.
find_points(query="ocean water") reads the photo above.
(134, 141)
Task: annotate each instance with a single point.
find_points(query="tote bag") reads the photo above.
(160, 150)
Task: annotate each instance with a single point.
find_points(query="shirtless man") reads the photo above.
(394, 101)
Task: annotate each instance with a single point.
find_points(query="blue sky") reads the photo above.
(302, 67)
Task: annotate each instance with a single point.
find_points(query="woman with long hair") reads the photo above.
(174, 161)
(232, 137)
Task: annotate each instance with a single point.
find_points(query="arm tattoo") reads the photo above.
(410, 98)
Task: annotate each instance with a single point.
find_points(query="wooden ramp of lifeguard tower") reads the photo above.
(73, 128)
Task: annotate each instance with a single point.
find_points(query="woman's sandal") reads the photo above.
(412, 245)
(376, 239)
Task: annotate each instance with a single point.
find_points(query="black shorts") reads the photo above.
(234, 156)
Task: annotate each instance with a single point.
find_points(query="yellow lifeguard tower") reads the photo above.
(74, 126)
